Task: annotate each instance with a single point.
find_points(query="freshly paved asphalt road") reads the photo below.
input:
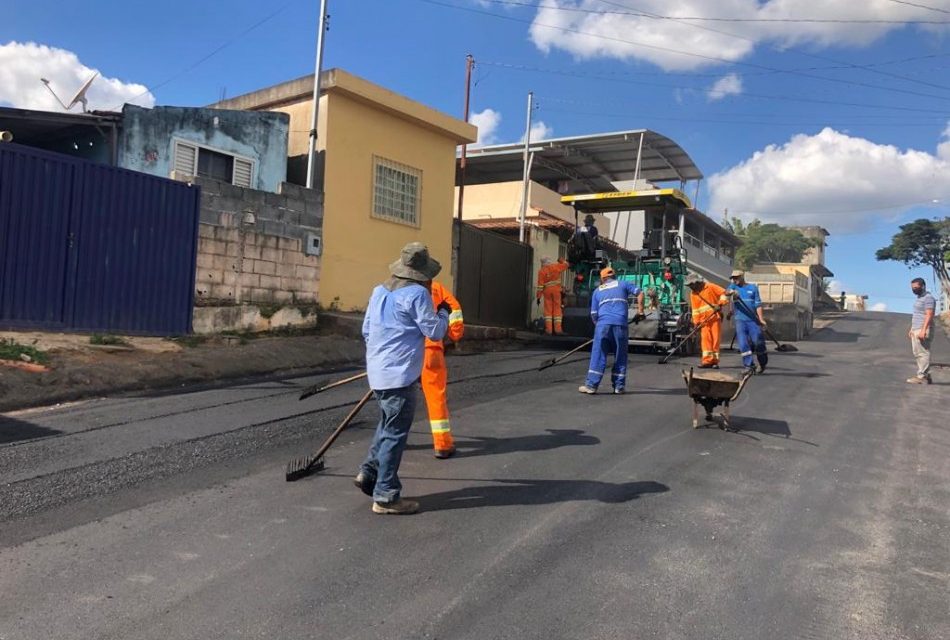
(563, 516)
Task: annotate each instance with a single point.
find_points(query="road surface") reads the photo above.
(563, 516)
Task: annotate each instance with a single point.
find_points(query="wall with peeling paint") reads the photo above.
(147, 141)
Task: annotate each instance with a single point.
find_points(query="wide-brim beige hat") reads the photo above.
(738, 273)
(415, 263)
(694, 278)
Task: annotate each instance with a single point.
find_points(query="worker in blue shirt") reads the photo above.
(747, 309)
(608, 309)
(398, 318)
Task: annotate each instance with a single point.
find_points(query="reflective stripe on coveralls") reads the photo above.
(705, 312)
(435, 374)
(549, 288)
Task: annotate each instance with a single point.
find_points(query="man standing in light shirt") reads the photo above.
(921, 330)
(399, 317)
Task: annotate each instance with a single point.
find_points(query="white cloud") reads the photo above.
(878, 306)
(730, 85)
(23, 64)
(487, 122)
(943, 149)
(605, 34)
(540, 131)
(838, 181)
(835, 287)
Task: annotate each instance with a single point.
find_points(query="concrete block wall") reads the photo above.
(250, 245)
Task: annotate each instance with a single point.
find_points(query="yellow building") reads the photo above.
(388, 174)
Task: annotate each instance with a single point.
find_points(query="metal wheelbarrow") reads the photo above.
(711, 389)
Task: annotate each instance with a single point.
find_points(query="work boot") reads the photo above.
(365, 482)
(619, 391)
(442, 454)
(762, 368)
(920, 380)
(751, 371)
(401, 507)
(588, 390)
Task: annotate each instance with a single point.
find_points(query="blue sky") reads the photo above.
(798, 155)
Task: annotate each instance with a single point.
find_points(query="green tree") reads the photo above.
(769, 242)
(922, 243)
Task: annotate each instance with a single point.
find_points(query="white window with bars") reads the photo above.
(196, 160)
(397, 189)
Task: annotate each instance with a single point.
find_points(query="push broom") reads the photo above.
(302, 467)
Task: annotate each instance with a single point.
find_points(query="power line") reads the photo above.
(743, 122)
(534, 5)
(751, 95)
(213, 53)
(920, 6)
(802, 53)
(683, 53)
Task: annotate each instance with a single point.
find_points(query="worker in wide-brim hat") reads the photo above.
(399, 317)
(706, 300)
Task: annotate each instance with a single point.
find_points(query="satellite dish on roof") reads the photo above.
(80, 95)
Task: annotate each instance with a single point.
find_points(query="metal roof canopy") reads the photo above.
(590, 164)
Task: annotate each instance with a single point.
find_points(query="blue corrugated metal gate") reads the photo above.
(88, 247)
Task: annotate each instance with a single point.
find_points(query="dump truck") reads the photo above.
(786, 303)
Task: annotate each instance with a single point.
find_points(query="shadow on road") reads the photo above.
(529, 492)
(773, 428)
(649, 391)
(773, 372)
(12, 430)
(469, 447)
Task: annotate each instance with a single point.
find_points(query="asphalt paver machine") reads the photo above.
(659, 268)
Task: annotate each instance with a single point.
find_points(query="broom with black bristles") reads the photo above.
(302, 467)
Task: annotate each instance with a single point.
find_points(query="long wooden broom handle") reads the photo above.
(344, 424)
(314, 390)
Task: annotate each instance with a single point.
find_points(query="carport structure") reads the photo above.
(587, 164)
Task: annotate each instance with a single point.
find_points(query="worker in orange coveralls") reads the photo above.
(706, 300)
(549, 289)
(435, 376)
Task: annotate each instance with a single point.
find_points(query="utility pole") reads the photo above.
(312, 149)
(526, 178)
(469, 64)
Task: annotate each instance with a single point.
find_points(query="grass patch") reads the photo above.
(189, 341)
(107, 340)
(267, 310)
(243, 336)
(12, 350)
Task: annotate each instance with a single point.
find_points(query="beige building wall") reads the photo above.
(503, 200)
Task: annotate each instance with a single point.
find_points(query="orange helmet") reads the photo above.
(607, 272)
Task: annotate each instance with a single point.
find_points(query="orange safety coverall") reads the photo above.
(549, 289)
(435, 375)
(703, 308)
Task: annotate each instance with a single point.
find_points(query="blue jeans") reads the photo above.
(608, 338)
(751, 341)
(396, 409)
